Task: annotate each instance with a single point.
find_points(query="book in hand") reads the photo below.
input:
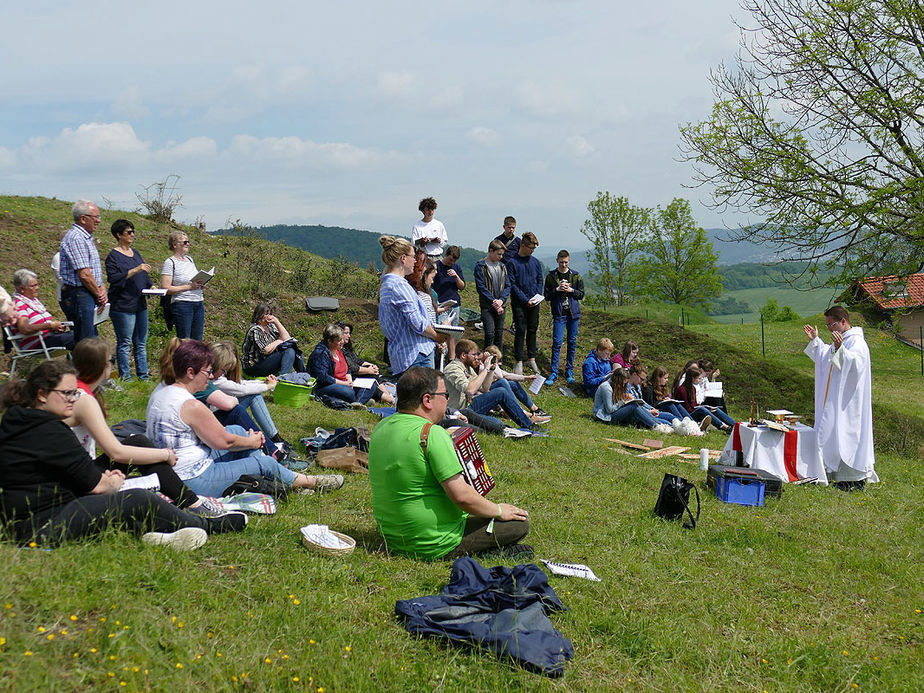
(363, 383)
(714, 389)
(203, 277)
(537, 384)
(154, 292)
(453, 330)
(148, 482)
(536, 300)
(101, 315)
(669, 400)
(447, 304)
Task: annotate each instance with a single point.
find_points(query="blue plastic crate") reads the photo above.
(740, 491)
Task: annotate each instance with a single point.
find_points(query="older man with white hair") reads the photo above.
(33, 317)
(81, 271)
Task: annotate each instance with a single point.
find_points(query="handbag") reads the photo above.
(257, 484)
(674, 499)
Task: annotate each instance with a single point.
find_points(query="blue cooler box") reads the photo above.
(740, 491)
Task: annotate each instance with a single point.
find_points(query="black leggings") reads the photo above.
(137, 510)
(170, 484)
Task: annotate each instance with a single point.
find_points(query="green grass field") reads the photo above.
(804, 302)
(816, 591)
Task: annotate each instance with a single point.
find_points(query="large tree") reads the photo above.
(818, 132)
(616, 228)
(678, 265)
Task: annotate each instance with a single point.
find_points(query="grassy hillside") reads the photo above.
(816, 591)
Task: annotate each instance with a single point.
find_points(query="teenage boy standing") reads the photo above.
(526, 292)
(564, 290)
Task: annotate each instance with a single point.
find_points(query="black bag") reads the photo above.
(674, 498)
(257, 484)
(166, 306)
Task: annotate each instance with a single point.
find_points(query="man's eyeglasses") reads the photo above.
(69, 395)
(444, 393)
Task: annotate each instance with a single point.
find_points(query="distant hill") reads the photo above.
(357, 246)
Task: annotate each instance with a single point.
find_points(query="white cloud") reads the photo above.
(545, 100)
(488, 137)
(193, 148)
(396, 85)
(300, 152)
(580, 147)
(91, 145)
(7, 158)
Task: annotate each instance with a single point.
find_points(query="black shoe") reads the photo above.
(232, 521)
(541, 412)
(849, 486)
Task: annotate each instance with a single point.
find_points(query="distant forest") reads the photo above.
(359, 247)
(753, 275)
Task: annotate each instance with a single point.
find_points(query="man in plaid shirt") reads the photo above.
(81, 271)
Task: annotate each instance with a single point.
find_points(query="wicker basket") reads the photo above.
(293, 394)
(327, 551)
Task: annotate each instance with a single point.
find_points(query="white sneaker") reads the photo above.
(662, 428)
(185, 539)
(518, 368)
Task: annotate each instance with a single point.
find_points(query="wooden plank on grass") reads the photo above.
(664, 452)
(624, 443)
(654, 444)
(713, 455)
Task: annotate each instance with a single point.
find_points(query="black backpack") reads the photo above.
(674, 499)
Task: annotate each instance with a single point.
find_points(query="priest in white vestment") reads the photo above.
(843, 400)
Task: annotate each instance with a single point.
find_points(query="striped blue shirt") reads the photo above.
(77, 252)
(403, 319)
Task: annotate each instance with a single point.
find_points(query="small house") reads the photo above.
(896, 300)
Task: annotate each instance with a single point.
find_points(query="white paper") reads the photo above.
(449, 329)
(322, 536)
(150, 482)
(154, 292)
(714, 389)
(447, 304)
(363, 383)
(536, 300)
(571, 570)
(537, 384)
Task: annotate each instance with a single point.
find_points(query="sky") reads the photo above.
(348, 114)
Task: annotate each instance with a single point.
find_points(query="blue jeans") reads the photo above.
(189, 317)
(238, 416)
(484, 403)
(280, 361)
(346, 393)
(516, 390)
(131, 330)
(229, 466)
(634, 414)
(676, 409)
(422, 361)
(559, 324)
(261, 414)
(79, 307)
(701, 413)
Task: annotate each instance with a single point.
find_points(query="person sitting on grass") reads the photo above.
(92, 360)
(613, 404)
(50, 490)
(248, 394)
(627, 356)
(360, 368)
(597, 368)
(686, 393)
(422, 504)
(510, 381)
(268, 346)
(684, 426)
(711, 373)
(465, 375)
(211, 457)
(657, 393)
(328, 366)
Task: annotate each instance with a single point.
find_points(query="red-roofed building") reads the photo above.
(900, 300)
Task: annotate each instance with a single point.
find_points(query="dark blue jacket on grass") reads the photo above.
(503, 610)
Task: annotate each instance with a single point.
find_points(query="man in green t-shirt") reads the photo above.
(422, 504)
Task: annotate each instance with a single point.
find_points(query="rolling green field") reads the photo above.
(804, 302)
(819, 590)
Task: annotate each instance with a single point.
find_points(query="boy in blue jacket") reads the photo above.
(525, 293)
